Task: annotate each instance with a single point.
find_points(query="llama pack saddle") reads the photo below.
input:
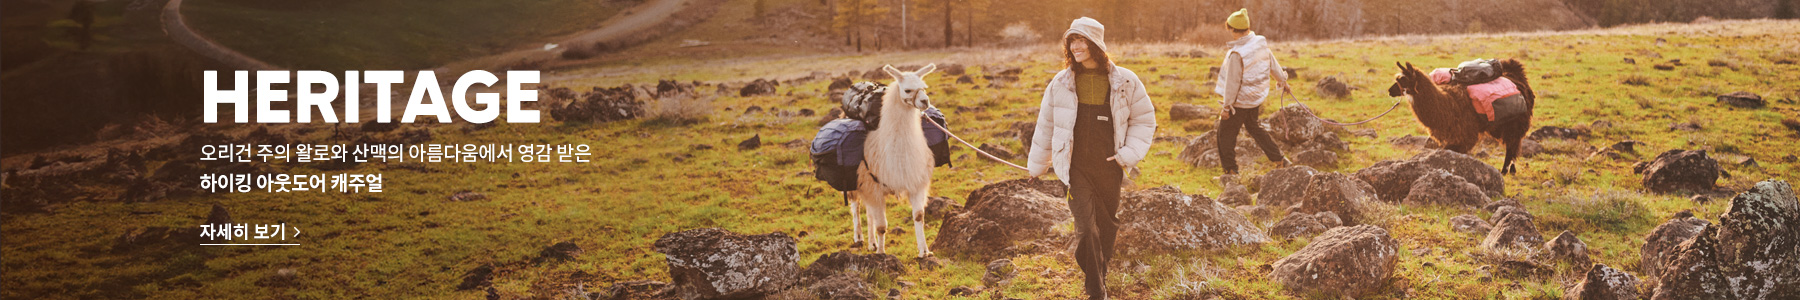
(1493, 95)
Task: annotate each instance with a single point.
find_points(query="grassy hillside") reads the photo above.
(389, 34)
(651, 178)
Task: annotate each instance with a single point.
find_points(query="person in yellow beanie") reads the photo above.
(1244, 83)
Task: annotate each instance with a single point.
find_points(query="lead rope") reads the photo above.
(1309, 112)
(977, 149)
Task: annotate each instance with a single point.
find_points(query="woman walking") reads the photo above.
(1096, 120)
(1244, 83)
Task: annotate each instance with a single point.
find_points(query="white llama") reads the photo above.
(897, 160)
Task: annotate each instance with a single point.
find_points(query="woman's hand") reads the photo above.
(1115, 159)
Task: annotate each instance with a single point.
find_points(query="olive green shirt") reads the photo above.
(1090, 88)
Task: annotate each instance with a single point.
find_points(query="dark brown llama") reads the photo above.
(1447, 111)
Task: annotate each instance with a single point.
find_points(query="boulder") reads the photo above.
(1293, 125)
(1753, 253)
(1163, 219)
(1393, 179)
(997, 151)
(1329, 219)
(1295, 226)
(711, 263)
(1284, 186)
(1000, 273)
(1317, 158)
(1007, 218)
(1235, 195)
(760, 87)
(1202, 151)
(1743, 99)
(1681, 170)
(1023, 131)
(1661, 242)
(939, 208)
(1411, 142)
(1184, 111)
(846, 262)
(1439, 187)
(1513, 228)
(841, 286)
(1469, 224)
(1604, 283)
(1344, 261)
(1337, 193)
(1332, 87)
(600, 105)
(751, 143)
(1566, 247)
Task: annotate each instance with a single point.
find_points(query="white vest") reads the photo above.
(1258, 62)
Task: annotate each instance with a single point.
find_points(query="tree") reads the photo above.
(853, 16)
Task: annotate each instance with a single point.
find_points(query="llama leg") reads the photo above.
(1512, 151)
(855, 225)
(918, 200)
(877, 210)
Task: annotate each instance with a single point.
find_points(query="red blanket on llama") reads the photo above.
(1483, 94)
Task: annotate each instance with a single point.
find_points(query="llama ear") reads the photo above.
(1401, 66)
(926, 70)
(891, 71)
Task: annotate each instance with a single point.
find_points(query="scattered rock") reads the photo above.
(1626, 146)
(479, 277)
(1317, 158)
(940, 208)
(1184, 111)
(1753, 253)
(1393, 179)
(1439, 187)
(965, 79)
(1006, 218)
(1293, 125)
(1332, 87)
(711, 263)
(1469, 224)
(1412, 142)
(1235, 194)
(1337, 193)
(752, 143)
(1201, 151)
(1513, 228)
(1000, 273)
(218, 215)
(1296, 226)
(1685, 126)
(1163, 219)
(1743, 99)
(561, 251)
(599, 106)
(465, 196)
(1681, 170)
(1254, 212)
(1284, 186)
(840, 286)
(1494, 207)
(759, 87)
(1023, 131)
(1566, 247)
(1344, 261)
(837, 84)
(1604, 283)
(996, 151)
(963, 291)
(1329, 219)
(1553, 132)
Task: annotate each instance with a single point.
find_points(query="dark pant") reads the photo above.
(1094, 200)
(1228, 132)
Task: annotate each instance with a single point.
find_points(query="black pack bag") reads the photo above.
(1511, 108)
(862, 102)
(1477, 71)
(837, 152)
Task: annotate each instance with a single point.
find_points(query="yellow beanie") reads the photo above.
(1239, 20)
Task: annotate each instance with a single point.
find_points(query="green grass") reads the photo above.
(412, 242)
(389, 34)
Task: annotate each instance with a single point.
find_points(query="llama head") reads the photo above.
(910, 86)
(1407, 81)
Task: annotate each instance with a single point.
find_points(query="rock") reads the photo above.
(465, 196)
(963, 291)
(1284, 186)
(1327, 141)
(1163, 219)
(1566, 247)
(759, 87)
(218, 215)
(953, 69)
(837, 85)
(845, 262)
(996, 151)
(1553, 132)
(1201, 151)
(1365, 133)
(1184, 111)
(1007, 218)
(1337, 193)
(1234, 195)
(561, 251)
(841, 286)
(1254, 212)
(1626, 146)
(711, 263)
(1393, 179)
(1494, 207)
(1681, 170)
(601, 105)
(1753, 253)
(1024, 131)
(1317, 158)
(752, 143)
(479, 277)
(1604, 283)
(1743, 99)
(1439, 187)
(940, 208)
(1469, 224)
(965, 79)
(1293, 125)
(1344, 261)
(1411, 142)
(1332, 87)
(1000, 273)
(1530, 148)
(1513, 228)
(1329, 219)
(1295, 226)
(1685, 126)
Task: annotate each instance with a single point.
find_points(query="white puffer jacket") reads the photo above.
(1259, 66)
(1133, 117)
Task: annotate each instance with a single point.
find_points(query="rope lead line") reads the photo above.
(977, 149)
(1309, 112)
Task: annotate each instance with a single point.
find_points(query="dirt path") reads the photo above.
(175, 25)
